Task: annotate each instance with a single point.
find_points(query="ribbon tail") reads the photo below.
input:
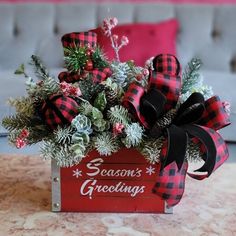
(216, 149)
(171, 183)
(176, 146)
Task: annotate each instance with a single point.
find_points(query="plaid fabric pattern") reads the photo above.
(222, 152)
(215, 116)
(79, 39)
(167, 64)
(171, 183)
(168, 85)
(68, 77)
(99, 75)
(132, 99)
(59, 110)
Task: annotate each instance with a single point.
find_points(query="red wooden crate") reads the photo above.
(122, 182)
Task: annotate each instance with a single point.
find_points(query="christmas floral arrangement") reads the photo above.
(108, 105)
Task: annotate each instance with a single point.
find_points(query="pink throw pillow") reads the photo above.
(145, 40)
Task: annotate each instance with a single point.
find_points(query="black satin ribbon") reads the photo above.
(181, 129)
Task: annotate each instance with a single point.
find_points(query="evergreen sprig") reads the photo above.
(75, 58)
(23, 105)
(40, 70)
(191, 74)
(42, 90)
(63, 154)
(134, 135)
(37, 133)
(99, 58)
(119, 114)
(193, 152)
(64, 135)
(106, 144)
(151, 149)
(193, 81)
(89, 90)
(16, 122)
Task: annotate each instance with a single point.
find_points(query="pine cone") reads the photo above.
(111, 97)
(90, 90)
(162, 123)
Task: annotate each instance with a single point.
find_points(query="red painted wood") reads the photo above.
(122, 182)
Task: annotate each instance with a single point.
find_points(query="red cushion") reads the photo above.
(145, 40)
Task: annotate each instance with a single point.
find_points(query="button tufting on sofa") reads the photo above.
(233, 65)
(216, 34)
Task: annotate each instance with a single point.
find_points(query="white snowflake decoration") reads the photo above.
(77, 173)
(150, 170)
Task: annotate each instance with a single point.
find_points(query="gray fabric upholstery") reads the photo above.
(206, 31)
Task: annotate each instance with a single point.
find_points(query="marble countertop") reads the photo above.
(207, 209)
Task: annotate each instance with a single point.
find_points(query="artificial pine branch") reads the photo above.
(75, 58)
(40, 70)
(63, 154)
(193, 152)
(191, 75)
(99, 58)
(38, 133)
(63, 135)
(37, 129)
(134, 134)
(16, 122)
(23, 105)
(193, 81)
(43, 90)
(151, 150)
(106, 144)
(89, 90)
(119, 114)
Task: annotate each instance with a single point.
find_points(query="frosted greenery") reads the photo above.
(193, 81)
(134, 135)
(106, 144)
(151, 149)
(119, 114)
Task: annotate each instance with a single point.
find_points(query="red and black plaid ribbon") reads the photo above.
(68, 77)
(196, 119)
(59, 110)
(79, 39)
(100, 74)
(82, 39)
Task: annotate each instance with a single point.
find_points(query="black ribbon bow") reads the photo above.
(182, 128)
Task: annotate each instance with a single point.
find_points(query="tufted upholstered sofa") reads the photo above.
(206, 31)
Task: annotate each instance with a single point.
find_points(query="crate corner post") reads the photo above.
(56, 186)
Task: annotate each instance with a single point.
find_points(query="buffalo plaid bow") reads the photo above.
(195, 119)
(83, 39)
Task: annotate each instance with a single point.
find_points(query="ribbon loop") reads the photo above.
(152, 105)
(168, 85)
(191, 110)
(132, 100)
(167, 64)
(214, 116)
